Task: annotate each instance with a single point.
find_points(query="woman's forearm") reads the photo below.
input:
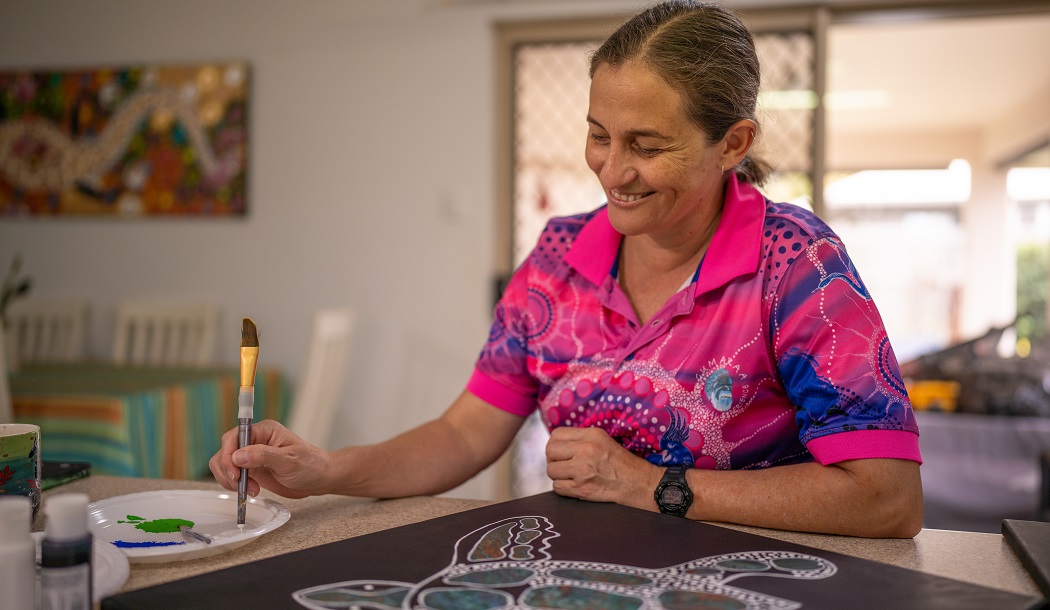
(429, 459)
(876, 498)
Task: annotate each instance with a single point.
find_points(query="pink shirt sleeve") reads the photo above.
(499, 395)
(860, 444)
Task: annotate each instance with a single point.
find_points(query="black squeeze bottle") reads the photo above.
(65, 554)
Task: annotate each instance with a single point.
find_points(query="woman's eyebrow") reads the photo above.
(638, 133)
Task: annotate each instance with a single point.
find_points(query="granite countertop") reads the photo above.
(315, 520)
(978, 558)
(983, 559)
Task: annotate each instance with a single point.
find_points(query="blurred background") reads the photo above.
(403, 156)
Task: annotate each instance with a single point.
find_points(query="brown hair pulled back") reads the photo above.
(705, 52)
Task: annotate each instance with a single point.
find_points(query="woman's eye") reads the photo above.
(648, 152)
(599, 138)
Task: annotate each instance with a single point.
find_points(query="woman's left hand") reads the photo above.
(587, 463)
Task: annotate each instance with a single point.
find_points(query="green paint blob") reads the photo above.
(157, 526)
(163, 526)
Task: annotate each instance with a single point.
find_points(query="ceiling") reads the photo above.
(949, 74)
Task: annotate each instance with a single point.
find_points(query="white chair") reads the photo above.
(157, 333)
(47, 331)
(6, 411)
(321, 385)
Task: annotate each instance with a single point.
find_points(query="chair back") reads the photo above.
(153, 333)
(6, 410)
(47, 331)
(321, 385)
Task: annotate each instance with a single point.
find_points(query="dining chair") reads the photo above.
(46, 331)
(6, 411)
(320, 387)
(162, 333)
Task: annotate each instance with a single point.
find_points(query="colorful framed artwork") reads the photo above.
(136, 141)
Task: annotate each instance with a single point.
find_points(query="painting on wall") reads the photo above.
(136, 141)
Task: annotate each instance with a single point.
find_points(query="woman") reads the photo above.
(694, 348)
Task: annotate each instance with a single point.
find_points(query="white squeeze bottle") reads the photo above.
(65, 554)
(17, 555)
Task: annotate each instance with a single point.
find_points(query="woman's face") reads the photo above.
(658, 172)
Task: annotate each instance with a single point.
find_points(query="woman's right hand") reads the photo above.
(277, 460)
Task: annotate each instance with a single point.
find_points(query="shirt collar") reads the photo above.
(734, 250)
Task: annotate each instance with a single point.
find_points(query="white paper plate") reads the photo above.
(109, 567)
(145, 525)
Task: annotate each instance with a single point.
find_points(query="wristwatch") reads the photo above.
(673, 495)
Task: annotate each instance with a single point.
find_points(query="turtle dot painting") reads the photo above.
(507, 564)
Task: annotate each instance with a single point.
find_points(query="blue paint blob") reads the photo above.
(140, 545)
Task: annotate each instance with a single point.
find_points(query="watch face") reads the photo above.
(672, 495)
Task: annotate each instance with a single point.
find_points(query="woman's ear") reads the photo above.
(737, 141)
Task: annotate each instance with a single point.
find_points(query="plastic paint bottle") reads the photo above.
(17, 555)
(65, 554)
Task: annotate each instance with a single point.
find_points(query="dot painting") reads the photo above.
(508, 564)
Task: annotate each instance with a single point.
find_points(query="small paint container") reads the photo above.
(65, 554)
(17, 555)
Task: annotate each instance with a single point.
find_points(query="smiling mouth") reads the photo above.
(628, 197)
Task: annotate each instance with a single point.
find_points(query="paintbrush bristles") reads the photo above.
(249, 335)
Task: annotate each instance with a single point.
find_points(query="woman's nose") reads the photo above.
(618, 168)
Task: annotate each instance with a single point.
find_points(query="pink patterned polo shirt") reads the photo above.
(774, 354)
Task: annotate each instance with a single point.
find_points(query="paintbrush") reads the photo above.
(246, 405)
(194, 534)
